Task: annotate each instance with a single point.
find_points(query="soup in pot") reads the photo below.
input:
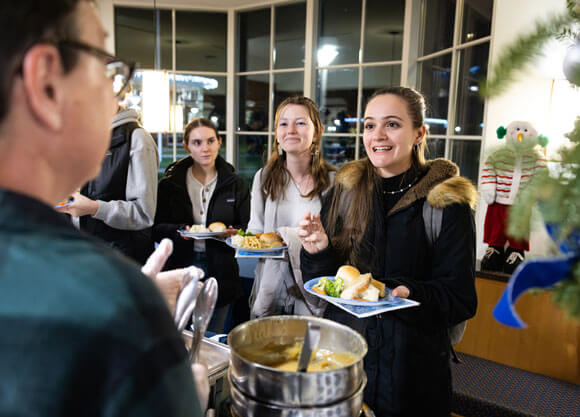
(285, 357)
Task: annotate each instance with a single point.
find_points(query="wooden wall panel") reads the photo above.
(548, 346)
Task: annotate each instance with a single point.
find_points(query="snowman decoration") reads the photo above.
(506, 171)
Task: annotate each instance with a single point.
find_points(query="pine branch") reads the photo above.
(522, 51)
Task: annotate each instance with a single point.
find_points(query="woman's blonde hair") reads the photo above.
(351, 208)
(276, 177)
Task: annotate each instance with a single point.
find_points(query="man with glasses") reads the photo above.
(84, 332)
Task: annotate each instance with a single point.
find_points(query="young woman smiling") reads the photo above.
(291, 183)
(201, 189)
(374, 222)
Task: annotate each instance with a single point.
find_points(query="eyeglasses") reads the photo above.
(117, 70)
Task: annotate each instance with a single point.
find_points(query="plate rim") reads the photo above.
(253, 250)
(310, 283)
(200, 234)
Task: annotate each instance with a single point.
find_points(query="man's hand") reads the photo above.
(80, 206)
(312, 234)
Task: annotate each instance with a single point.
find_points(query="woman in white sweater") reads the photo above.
(290, 185)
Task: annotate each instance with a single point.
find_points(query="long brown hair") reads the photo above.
(352, 201)
(276, 177)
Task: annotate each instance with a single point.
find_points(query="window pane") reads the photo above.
(254, 40)
(200, 41)
(476, 19)
(289, 37)
(135, 36)
(253, 107)
(384, 30)
(338, 150)
(251, 155)
(287, 85)
(435, 148)
(200, 96)
(438, 21)
(434, 84)
(472, 69)
(339, 31)
(375, 78)
(465, 153)
(336, 94)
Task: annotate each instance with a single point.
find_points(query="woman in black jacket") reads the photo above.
(374, 222)
(201, 189)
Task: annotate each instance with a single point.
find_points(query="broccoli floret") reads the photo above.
(333, 288)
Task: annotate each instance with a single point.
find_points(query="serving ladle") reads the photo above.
(311, 340)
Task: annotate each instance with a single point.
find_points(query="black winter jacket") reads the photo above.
(230, 204)
(407, 364)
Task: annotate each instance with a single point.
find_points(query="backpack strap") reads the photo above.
(433, 218)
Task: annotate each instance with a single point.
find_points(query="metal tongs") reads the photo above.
(187, 298)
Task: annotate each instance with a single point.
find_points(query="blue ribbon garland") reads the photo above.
(540, 273)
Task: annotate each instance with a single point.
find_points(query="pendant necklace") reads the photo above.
(405, 188)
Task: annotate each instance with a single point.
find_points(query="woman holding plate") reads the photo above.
(374, 221)
(200, 189)
(291, 183)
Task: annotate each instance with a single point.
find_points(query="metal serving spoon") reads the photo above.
(202, 314)
(187, 299)
(311, 340)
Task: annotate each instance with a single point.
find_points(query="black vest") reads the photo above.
(109, 185)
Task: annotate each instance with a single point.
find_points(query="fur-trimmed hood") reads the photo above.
(440, 184)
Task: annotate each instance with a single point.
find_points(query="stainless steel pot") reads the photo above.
(288, 389)
(245, 406)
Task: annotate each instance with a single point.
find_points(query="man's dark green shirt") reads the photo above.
(82, 331)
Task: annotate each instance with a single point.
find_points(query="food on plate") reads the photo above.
(350, 284)
(198, 228)
(248, 240)
(217, 227)
(267, 240)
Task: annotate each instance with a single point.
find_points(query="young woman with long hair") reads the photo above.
(374, 221)
(203, 188)
(292, 182)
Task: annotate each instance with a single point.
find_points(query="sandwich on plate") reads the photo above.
(350, 284)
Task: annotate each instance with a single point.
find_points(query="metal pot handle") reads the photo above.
(367, 412)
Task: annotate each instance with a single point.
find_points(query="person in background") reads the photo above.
(201, 189)
(84, 332)
(292, 182)
(374, 222)
(119, 205)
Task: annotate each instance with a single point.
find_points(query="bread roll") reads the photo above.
(348, 274)
(267, 239)
(217, 227)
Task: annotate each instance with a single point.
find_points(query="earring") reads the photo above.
(280, 150)
(416, 147)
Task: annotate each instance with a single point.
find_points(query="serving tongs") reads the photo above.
(311, 339)
(187, 297)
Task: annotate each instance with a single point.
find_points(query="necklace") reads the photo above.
(405, 188)
(299, 185)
